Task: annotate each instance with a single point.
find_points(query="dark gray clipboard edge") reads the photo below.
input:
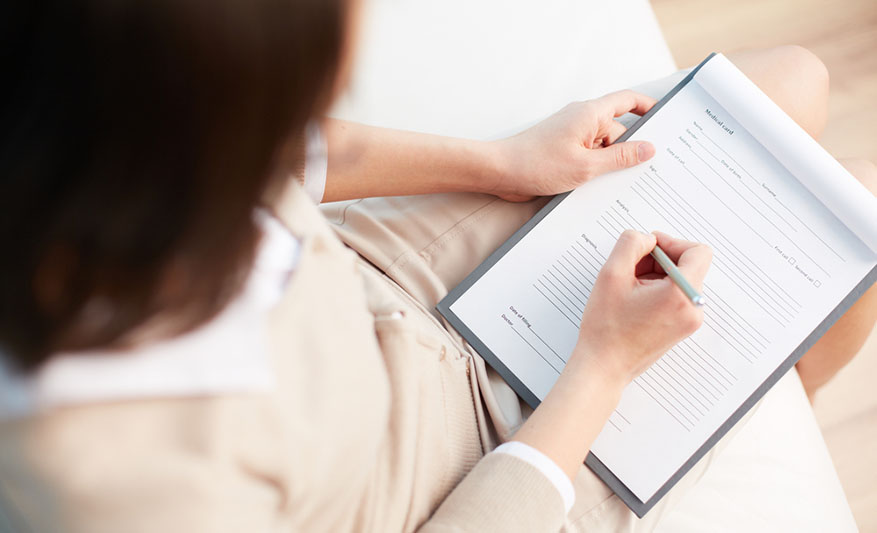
(639, 507)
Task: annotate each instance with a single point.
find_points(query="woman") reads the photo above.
(189, 346)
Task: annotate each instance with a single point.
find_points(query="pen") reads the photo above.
(676, 275)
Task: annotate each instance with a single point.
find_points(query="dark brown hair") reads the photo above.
(136, 137)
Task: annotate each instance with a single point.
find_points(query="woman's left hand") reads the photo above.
(570, 147)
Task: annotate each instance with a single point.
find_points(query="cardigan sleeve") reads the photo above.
(545, 465)
(502, 493)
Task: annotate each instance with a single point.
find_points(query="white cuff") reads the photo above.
(316, 161)
(544, 464)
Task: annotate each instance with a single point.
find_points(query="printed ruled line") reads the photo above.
(694, 362)
(708, 361)
(576, 268)
(810, 230)
(595, 250)
(628, 220)
(570, 282)
(714, 296)
(721, 327)
(576, 275)
(686, 376)
(564, 291)
(681, 391)
(698, 233)
(618, 422)
(755, 347)
(658, 390)
(804, 224)
(557, 296)
(726, 315)
(748, 187)
(535, 350)
(588, 257)
(612, 223)
(730, 210)
(672, 396)
(707, 224)
(707, 137)
(706, 228)
(720, 321)
(760, 301)
(551, 301)
(781, 232)
(562, 360)
(726, 264)
(612, 235)
(664, 407)
(726, 338)
(698, 358)
(707, 367)
(594, 256)
(683, 360)
(728, 372)
(631, 218)
(617, 412)
(575, 257)
(620, 224)
(767, 205)
(693, 136)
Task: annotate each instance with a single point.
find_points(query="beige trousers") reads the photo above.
(429, 244)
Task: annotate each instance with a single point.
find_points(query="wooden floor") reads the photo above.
(843, 33)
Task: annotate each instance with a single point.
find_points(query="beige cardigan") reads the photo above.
(375, 424)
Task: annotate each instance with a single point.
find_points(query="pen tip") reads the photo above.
(699, 300)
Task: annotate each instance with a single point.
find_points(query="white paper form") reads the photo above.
(782, 262)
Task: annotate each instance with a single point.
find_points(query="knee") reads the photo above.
(805, 84)
(865, 171)
(804, 65)
(794, 78)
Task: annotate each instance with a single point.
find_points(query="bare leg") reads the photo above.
(792, 77)
(798, 82)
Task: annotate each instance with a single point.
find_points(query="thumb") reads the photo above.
(620, 155)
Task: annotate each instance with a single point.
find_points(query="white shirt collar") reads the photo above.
(228, 354)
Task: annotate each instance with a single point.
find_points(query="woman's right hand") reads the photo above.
(634, 315)
(636, 312)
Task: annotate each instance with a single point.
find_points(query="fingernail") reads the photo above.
(645, 151)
